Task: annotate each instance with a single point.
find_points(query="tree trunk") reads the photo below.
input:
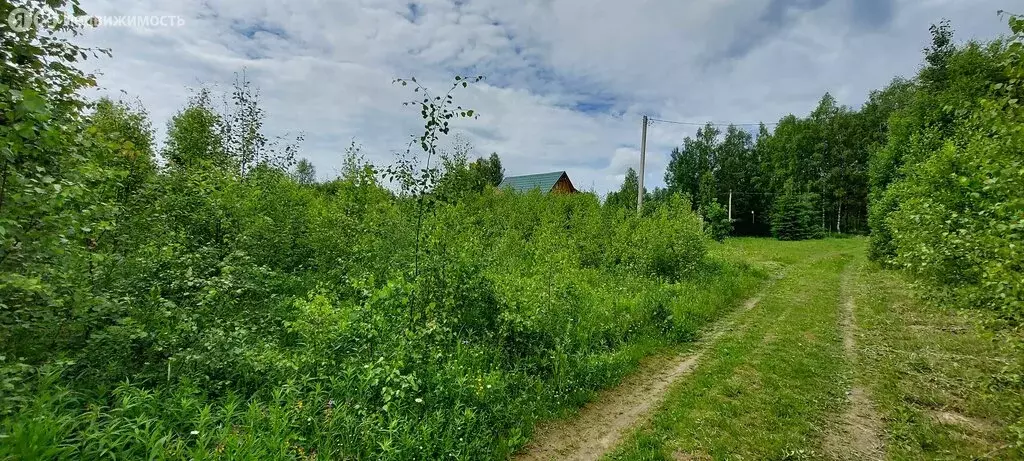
(839, 217)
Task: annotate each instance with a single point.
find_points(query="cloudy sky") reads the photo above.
(566, 80)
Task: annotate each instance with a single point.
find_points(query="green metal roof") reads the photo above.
(543, 181)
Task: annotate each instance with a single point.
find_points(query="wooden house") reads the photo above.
(557, 182)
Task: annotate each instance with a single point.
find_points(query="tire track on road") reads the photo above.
(602, 423)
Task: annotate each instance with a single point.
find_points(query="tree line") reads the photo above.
(929, 166)
(817, 165)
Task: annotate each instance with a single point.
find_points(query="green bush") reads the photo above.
(275, 319)
(953, 214)
(216, 307)
(717, 225)
(667, 243)
(951, 211)
(944, 95)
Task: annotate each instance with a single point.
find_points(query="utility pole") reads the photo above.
(643, 159)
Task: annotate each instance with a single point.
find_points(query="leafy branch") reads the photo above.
(437, 112)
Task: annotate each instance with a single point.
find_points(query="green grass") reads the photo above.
(946, 386)
(466, 405)
(770, 387)
(766, 388)
(944, 383)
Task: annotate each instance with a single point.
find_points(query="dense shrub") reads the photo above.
(215, 305)
(716, 218)
(947, 204)
(523, 304)
(220, 307)
(667, 243)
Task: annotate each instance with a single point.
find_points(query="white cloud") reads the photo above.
(567, 79)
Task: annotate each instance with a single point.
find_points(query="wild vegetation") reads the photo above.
(209, 297)
(947, 201)
(838, 159)
(930, 166)
(946, 189)
(212, 297)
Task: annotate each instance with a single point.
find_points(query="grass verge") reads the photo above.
(946, 386)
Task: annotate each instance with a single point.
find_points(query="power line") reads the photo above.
(674, 122)
(723, 194)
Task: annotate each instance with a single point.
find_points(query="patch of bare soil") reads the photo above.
(858, 438)
(954, 418)
(859, 434)
(602, 423)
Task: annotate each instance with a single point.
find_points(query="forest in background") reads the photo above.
(929, 166)
(223, 302)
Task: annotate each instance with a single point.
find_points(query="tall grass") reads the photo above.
(276, 320)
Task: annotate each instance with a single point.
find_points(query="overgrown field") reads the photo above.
(253, 316)
(208, 298)
(205, 299)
